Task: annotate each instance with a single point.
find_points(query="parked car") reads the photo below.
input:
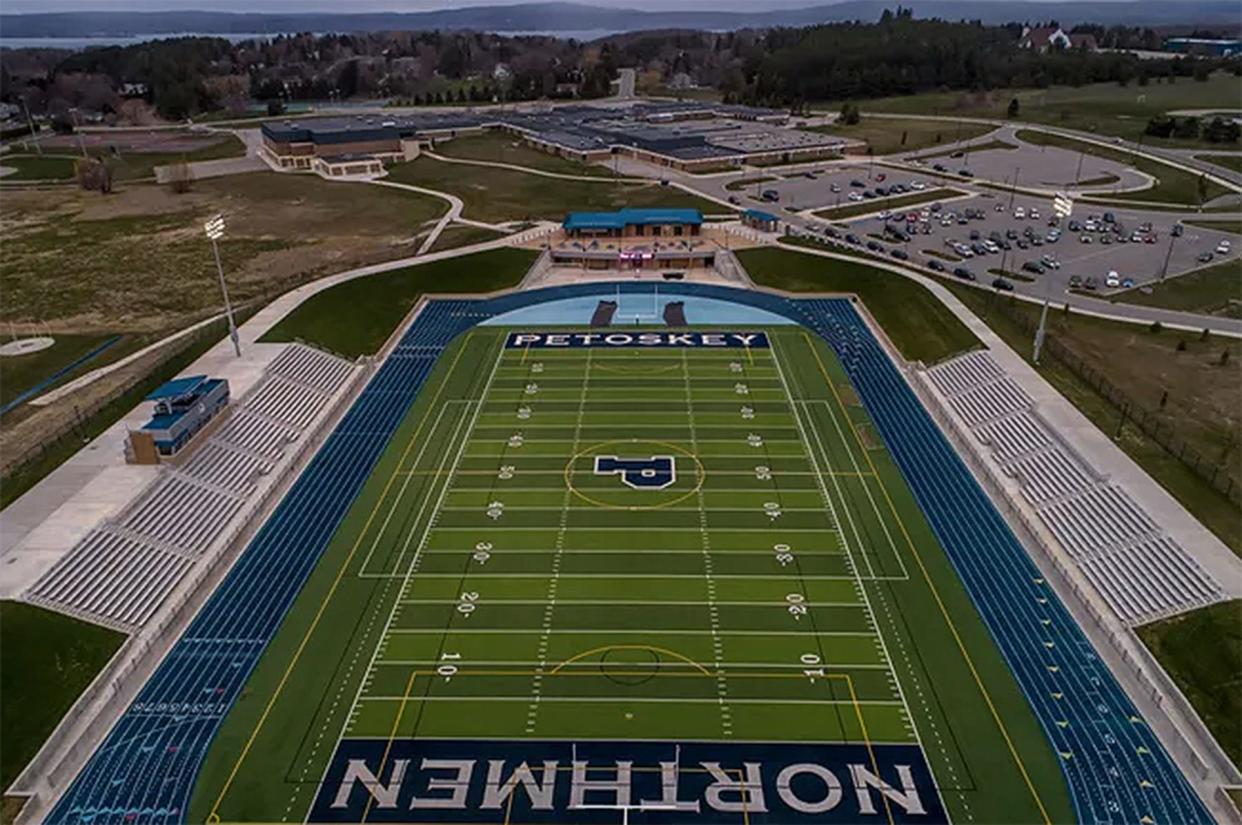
(1003, 285)
(966, 173)
(1033, 267)
(1075, 281)
(857, 184)
(836, 187)
(1112, 280)
(1177, 230)
(1091, 283)
(733, 199)
(1204, 257)
(874, 247)
(1084, 239)
(1127, 283)
(899, 254)
(852, 238)
(1222, 248)
(935, 265)
(770, 195)
(964, 273)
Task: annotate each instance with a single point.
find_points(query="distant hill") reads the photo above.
(553, 17)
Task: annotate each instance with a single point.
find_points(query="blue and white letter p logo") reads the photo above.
(654, 473)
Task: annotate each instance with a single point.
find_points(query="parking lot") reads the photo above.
(1124, 245)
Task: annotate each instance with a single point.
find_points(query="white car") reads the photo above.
(1034, 214)
(1050, 262)
(854, 196)
(918, 185)
(885, 215)
(1019, 213)
(1113, 280)
(1222, 248)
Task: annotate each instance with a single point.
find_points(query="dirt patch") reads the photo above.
(868, 436)
(849, 397)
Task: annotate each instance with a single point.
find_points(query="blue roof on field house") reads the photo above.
(176, 387)
(631, 217)
(760, 215)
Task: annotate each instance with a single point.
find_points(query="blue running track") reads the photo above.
(1116, 769)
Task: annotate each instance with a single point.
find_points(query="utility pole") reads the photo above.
(30, 122)
(1039, 333)
(1164, 270)
(1013, 190)
(1078, 175)
(77, 127)
(215, 231)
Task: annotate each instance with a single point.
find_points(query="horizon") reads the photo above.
(414, 6)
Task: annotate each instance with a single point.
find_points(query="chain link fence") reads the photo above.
(1151, 423)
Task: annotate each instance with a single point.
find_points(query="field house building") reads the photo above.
(634, 239)
(685, 136)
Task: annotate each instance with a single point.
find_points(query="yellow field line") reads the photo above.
(396, 723)
(935, 592)
(214, 816)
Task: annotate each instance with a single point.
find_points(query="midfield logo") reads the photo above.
(653, 473)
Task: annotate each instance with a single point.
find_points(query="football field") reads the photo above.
(541, 596)
(630, 558)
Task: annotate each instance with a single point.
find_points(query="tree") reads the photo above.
(850, 115)
(93, 175)
(275, 107)
(1014, 108)
(1202, 186)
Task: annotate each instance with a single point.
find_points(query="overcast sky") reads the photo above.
(21, 6)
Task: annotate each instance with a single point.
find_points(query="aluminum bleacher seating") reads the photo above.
(111, 578)
(1141, 573)
(122, 571)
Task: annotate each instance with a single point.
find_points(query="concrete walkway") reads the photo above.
(454, 211)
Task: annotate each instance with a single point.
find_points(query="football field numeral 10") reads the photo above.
(448, 670)
(809, 662)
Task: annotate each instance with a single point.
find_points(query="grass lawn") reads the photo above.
(1234, 226)
(1212, 290)
(137, 258)
(46, 661)
(456, 235)
(1231, 162)
(39, 167)
(496, 195)
(743, 183)
(1202, 651)
(58, 451)
(915, 321)
(141, 165)
(499, 147)
(1172, 184)
(1104, 108)
(19, 373)
(887, 135)
(1202, 402)
(973, 149)
(867, 207)
(356, 317)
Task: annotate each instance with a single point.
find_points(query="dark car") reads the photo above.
(1074, 226)
(869, 195)
(1034, 267)
(857, 184)
(874, 247)
(770, 195)
(964, 273)
(674, 276)
(733, 199)
(881, 191)
(1205, 257)
(1109, 217)
(1011, 234)
(900, 254)
(1177, 230)
(1075, 281)
(966, 173)
(852, 238)
(1023, 244)
(1091, 283)
(935, 265)
(936, 207)
(939, 167)
(1002, 284)
(832, 233)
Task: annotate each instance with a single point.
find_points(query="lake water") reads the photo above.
(93, 42)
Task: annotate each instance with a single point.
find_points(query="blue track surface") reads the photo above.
(1116, 769)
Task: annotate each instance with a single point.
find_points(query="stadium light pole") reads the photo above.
(215, 231)
(30, 123)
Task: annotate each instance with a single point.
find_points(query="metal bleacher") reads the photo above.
(1139, 571)
(122, 570)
